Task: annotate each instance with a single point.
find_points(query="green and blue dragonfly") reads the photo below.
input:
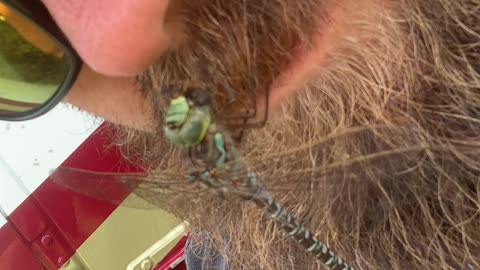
(216, 166)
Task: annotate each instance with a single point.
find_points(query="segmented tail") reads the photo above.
(293, 227)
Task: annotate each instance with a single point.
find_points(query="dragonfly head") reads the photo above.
(188, 118)
(177, 112)
(198, 97)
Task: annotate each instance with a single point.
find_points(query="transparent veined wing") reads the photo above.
(366, 152)
(137, 190)
(302, 168)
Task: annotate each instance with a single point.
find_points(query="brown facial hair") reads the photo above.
(401, 193)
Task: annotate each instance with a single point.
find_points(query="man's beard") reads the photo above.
(399, 112)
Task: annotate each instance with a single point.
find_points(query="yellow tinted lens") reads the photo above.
(32, 65)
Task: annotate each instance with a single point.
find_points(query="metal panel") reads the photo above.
(66, 228)
(14, 251)
(31, 149)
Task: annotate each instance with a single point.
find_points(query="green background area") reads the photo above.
(22, 61)
(26, 73)
(24, 92)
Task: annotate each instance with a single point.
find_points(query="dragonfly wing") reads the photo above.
(317, 162)
(134, 190)
(159, 189)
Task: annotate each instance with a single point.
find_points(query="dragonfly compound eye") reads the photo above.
(186, 125)
(177, 112)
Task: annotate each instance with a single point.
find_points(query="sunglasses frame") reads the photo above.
(37, 14)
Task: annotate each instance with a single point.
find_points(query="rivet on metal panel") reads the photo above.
(146, 264)
(46, 240)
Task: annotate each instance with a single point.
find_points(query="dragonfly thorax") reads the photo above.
(189, 124)
(214, 151)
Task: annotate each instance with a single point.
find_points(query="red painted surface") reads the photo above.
(78, 215)
(15, 252)
(39, 234)
(54, 221)
(177, 253)
(29, 221)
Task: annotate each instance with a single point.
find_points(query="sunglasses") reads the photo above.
(37, 63)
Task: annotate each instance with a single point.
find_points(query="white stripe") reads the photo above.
(3, 216)
(12, 190)
(31, 149)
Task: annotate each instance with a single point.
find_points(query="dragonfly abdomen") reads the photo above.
(294, 228)
(210, 150)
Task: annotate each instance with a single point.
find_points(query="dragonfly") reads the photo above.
(216, 166)
(238, 110)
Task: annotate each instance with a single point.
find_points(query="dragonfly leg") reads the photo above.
(253, 87)
(194, 173)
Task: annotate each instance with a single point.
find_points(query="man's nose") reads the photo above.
(118, 38)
